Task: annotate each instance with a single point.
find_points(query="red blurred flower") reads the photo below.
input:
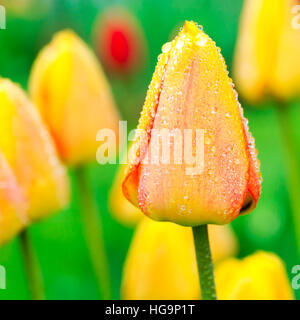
(119, 41)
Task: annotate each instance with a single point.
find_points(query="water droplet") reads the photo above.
(201, 42)
(166, 47)
(199, 27)
(179, 44)
(207, 141)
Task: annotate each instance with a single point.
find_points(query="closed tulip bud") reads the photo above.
(13, 206)
(119, 41)
(191, 91)
(268, 48)
(161, 263)
(73, 97)
(125, 212)
(261, 276)
(30, 152)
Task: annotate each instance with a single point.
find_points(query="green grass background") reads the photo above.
(59, 240)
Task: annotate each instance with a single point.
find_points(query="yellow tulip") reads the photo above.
(223, 242)
(161, 263)
(30, 152)
(69, 88)
(120, 207)
(261, 276)
(286, 82)
(268, 49)
(13, 205)
(191, 90)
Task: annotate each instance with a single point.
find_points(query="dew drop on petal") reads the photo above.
(201, 42)
(166, 47)
(179, 44)
(207, 141)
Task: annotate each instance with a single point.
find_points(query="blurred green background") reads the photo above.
(59, 240)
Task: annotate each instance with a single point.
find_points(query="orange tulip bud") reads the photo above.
(13, 207)
(268, 49)
(261, 276)
(120, 207)
(73, 96)
(191, 90)
(29, 150)
(161, 263)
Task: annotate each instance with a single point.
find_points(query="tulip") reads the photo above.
(224, 243)
(268, 49)
(161, 263)
(286, 83)
(190, 89)
(73, 96)
(119, 41)
(30, 152)
(261, 276)
(13, 205)
(124, 212)
(267, 64)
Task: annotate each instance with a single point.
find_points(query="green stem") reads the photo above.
(292, 167)
(204, 262)
(93, 234)
(32, 268)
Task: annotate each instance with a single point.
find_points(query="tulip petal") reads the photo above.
(30, 152)
(142, 139)
(254, 175)
(13, 206)
(261, 276)
(124, 211)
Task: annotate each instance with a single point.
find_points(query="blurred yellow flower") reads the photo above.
(123, 210)
(13, 206)
(261, 276)
(30, 152)
(69, 88)
(268, 49)
(161, 263)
